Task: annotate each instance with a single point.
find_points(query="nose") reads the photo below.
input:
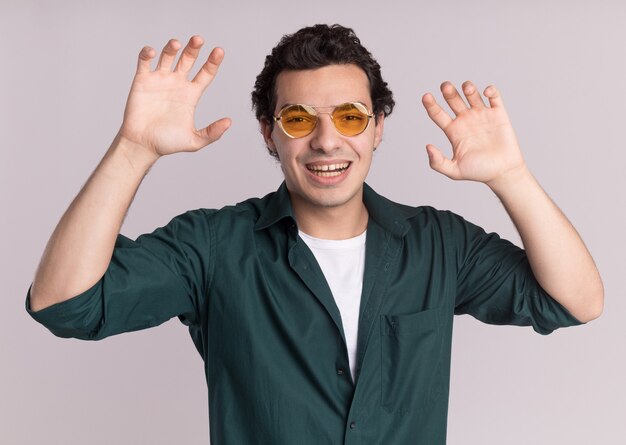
(325, 136)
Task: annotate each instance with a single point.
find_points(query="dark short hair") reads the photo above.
(315, 47)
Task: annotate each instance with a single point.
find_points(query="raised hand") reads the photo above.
(484, 145)
(159, 114)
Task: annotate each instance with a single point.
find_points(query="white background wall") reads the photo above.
(66, 68)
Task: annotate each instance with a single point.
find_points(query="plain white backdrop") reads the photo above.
(67, 67)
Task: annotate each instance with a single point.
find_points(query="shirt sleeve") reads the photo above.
(496, 285)
(158, 276)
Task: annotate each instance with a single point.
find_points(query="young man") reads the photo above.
(323, 311)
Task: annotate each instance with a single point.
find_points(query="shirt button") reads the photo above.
(352, 425)
(340, 371)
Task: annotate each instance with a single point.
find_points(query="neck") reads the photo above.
(333, 223)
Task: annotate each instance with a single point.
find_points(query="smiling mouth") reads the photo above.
(328, 170)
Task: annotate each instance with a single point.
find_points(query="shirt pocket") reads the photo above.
(411, 360)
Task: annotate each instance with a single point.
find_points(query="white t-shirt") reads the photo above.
(343, 264)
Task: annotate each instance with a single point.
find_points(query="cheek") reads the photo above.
(288, 165)
(366, 146)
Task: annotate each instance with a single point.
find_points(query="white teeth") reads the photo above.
(329, 168)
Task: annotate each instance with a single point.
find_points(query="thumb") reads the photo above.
(214, 131)
(440, 163)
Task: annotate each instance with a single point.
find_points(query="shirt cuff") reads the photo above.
(61, 318)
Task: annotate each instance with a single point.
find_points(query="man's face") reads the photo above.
(303, 158)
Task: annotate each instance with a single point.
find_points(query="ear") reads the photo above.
(378, 131)
(266, 130)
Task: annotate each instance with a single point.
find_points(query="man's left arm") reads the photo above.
(485, 149)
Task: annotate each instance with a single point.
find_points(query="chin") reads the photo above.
(330, 198)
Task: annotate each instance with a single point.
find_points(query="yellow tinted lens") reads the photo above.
(350, 119)
(297, 121)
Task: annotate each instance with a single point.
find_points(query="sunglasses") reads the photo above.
(299, 120)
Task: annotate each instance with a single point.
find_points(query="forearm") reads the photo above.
(559, 259)
(81, 246)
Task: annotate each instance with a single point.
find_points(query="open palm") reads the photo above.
(484, 145)
(160, 109)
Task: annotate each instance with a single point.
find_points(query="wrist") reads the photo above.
(139, 156)
(512, 181)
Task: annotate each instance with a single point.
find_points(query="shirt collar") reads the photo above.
(278, 207)
(388, 214)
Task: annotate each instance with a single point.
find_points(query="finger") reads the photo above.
(472, 95)
(451, 95)
(167, 55)
(495, 99)
(145, 56)
(435, 112)
(214, 131)
(208, 71)
(189, 54)
(441, 164)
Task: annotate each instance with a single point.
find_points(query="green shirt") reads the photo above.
(265, 322)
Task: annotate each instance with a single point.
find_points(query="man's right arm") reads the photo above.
(80, 248)
(158, 120)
